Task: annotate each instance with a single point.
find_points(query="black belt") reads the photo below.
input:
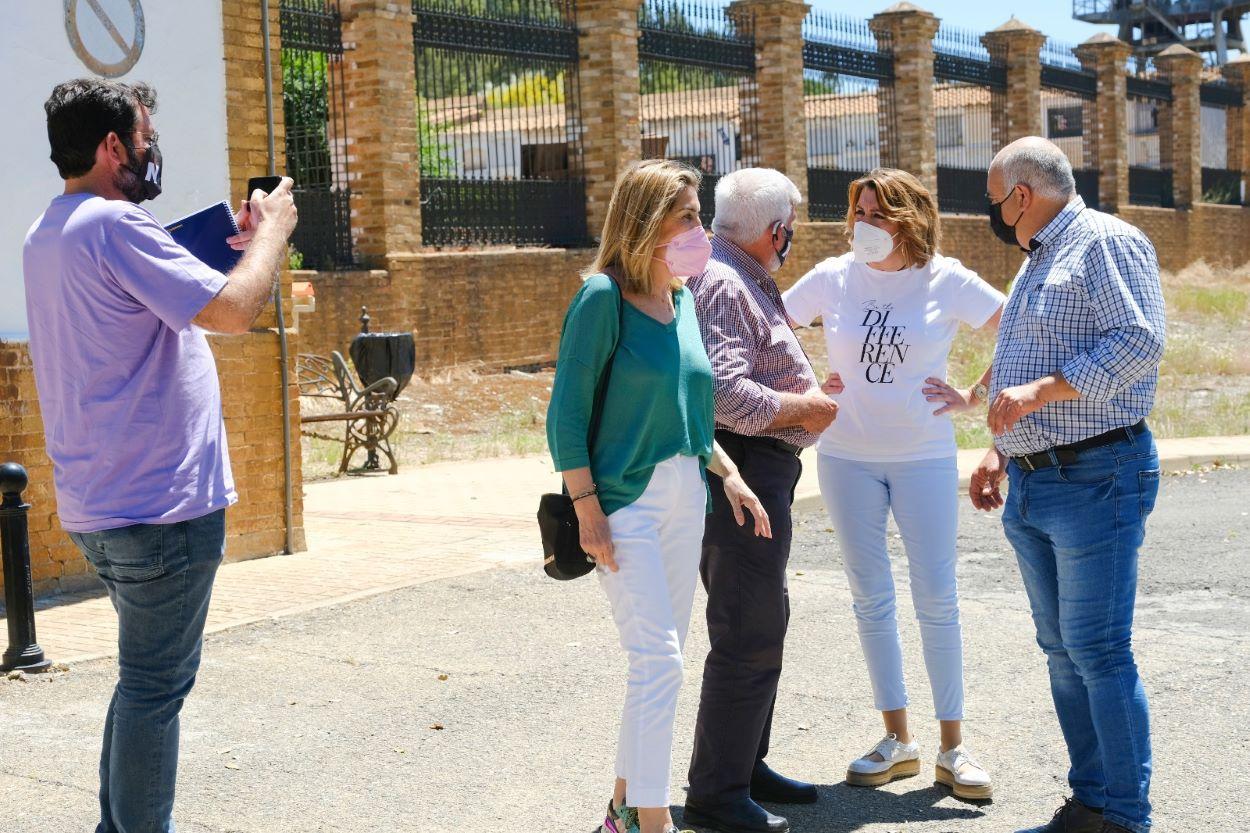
(772, 442)
(1066, 455)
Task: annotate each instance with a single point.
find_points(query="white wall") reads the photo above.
(183, 58)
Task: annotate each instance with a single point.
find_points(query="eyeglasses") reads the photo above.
(150, 138)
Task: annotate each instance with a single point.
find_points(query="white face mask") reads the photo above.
(871, 244)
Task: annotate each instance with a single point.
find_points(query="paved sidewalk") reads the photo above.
(370, 535)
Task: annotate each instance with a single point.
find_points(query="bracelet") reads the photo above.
(593, 490)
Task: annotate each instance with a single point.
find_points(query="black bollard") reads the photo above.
(364, 319)
(23, 654)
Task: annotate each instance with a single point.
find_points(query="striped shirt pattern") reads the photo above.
(754, 351)
(1087, 303)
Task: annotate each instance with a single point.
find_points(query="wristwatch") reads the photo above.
(981, 392)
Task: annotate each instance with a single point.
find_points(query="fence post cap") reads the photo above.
(905, 8)
(13, 479)
(1103, 38)
(1014, 24)
(1177, 52)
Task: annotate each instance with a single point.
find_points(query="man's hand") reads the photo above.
(1013, 404)
(275, 210)
(820, 411)
(247, 227)
(983, 490)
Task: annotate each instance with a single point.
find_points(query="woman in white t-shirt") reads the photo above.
(890, 310)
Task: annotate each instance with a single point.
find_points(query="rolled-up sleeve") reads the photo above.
(590, 331)
(728, 329)
(1122, 283)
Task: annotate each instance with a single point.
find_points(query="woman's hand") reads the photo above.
(955, 400)
(595, 535)
(740, 496)
(833, 385)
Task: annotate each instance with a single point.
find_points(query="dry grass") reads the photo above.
(1204, 385)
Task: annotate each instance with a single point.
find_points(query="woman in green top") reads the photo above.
(641, 491)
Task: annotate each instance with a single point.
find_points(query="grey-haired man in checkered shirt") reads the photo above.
(1074, 377)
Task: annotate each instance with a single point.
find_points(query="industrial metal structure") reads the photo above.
(1206, 26)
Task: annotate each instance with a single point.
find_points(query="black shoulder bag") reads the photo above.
(563, 556)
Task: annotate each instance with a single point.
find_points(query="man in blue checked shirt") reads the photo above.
(1074, 377)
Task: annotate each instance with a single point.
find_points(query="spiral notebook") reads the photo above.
(204, 235)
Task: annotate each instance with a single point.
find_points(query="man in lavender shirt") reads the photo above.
(769, 406)
(132, 412)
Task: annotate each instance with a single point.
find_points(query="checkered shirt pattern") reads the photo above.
(1087, 302)
(754, 351)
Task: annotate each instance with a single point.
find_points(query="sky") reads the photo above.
(1051, 17)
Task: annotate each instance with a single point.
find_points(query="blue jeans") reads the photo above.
(159, 578)
(1076, 530)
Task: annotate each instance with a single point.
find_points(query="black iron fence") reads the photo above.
(315, 115)
(1149, 99)
(848, 97)
(499, 123)
(1221, 176)
(969, 104)
(1070, 114)
(697, 79)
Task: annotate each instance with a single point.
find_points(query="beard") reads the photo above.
(129, 183)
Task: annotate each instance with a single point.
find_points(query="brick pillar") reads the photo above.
(909, 31)
(778, 89)
(379, 78)
(1237, 71)
(247, 150)
(1182, 123)
(610, 102)
(1019, 47)
(1105, 56)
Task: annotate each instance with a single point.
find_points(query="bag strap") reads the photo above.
(601, 389)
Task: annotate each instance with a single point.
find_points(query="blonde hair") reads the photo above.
(642, 198)
(905, 201)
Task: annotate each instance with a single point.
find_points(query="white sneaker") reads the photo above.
(961, 772)
(901, 760)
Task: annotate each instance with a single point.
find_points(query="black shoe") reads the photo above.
(740, 816)
(1112, 827)
(767, 785)
(1073, 817)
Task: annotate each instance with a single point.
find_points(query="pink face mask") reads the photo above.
(687, 253)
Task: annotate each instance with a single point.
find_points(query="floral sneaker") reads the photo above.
(620, 819)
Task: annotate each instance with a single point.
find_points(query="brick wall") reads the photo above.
(494, 307)
(248, 150)
(251, 395)
(504, 308)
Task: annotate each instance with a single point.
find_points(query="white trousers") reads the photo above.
(924, 498)
(658, 540)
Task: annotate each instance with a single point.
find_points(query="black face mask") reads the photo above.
(785, 247)
(1004, 232)
(141, 180)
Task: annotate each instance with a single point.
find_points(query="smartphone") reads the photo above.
(264, 183)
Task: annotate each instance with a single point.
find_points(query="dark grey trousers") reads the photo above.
(748, 609)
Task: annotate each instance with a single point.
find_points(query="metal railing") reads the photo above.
(697, 79)
(848, 95)
(969, 92)
(1070, 114)
(499, 123)
(315, 114)
(1149, 97)
(1221, 175)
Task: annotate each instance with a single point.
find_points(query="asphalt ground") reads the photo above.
(490, 702)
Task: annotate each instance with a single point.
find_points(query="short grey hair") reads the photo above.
(1041, 165)
(750, 200)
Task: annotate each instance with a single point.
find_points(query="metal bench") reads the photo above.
(334, 395)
